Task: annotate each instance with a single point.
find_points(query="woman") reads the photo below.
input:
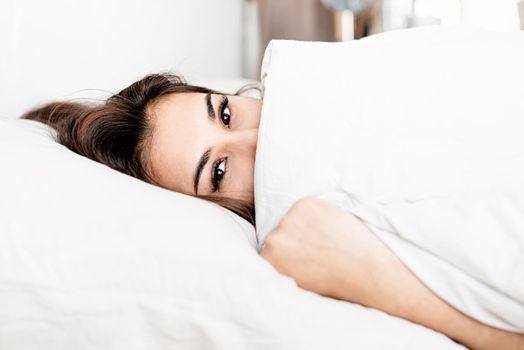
(202, 143)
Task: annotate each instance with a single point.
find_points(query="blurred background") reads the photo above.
(64, 49)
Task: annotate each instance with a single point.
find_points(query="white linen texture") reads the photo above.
(420, 134)
(94, 259)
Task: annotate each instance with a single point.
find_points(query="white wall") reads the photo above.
(52, 49)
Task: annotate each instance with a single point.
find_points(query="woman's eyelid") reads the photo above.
(225, 108)
(215, 165)
(218, 107)
(212, 176)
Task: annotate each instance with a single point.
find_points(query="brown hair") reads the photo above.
(116, 132)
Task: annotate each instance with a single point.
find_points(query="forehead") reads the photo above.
(177, 139)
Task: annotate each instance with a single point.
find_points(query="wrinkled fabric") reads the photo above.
(93, 259)
(420, 134)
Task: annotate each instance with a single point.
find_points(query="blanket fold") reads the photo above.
(420, 134)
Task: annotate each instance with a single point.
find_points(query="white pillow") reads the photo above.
(94, 259)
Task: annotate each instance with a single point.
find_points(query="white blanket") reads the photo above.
(421, 134)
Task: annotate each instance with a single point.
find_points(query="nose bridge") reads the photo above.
(241, 137)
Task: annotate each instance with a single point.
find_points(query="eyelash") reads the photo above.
(215, 180)
(215, 177)
(222, 108)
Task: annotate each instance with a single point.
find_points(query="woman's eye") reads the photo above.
(225, 113)
(226, 116)
(219, 171)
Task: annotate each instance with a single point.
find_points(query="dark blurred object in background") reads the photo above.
(294, 19)
(316, 20)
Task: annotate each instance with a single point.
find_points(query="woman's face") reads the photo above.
(204, 144)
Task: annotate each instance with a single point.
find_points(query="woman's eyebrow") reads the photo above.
(201, 164)
(210, 108)
(205, 156)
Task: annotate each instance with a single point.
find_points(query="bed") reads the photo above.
(94, 259)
